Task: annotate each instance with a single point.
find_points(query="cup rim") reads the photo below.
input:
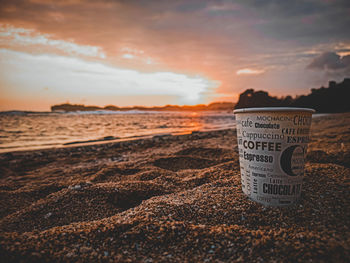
(273, 109)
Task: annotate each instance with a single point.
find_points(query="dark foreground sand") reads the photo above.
(172, 198)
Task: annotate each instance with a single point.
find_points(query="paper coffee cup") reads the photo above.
(272, 144)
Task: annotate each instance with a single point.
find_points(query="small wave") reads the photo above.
(106, 138)
(24, 113)
(15, 112)
(14, 132)
(108, 112)
(316, 115)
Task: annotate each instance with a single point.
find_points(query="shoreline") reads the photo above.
(151, 141)
(112, 139)
(110, 129)
(127, 140)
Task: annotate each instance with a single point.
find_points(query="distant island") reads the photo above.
(333, 99)
(216, 106)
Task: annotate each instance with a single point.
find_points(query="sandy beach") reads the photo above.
(171, 199)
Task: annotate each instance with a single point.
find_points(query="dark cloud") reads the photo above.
(303, 21)
(227, 23)
(330, 61)
(342, 50)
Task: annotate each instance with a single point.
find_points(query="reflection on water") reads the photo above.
(29, 131)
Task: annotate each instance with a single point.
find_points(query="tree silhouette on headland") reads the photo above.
(335, 98)
(215, 106)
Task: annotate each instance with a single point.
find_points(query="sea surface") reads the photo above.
(38, 130)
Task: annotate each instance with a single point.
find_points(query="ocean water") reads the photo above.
(30, 130)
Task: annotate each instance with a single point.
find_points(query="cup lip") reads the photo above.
(273, 109)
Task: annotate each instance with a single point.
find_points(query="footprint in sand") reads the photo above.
(183, 162)
(195, 158)
(217, 153)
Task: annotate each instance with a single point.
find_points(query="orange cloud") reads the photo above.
(248, 71)
(13, 37)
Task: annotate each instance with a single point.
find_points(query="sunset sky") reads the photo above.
(148, 52)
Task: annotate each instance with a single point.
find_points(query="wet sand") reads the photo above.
(171, 199)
